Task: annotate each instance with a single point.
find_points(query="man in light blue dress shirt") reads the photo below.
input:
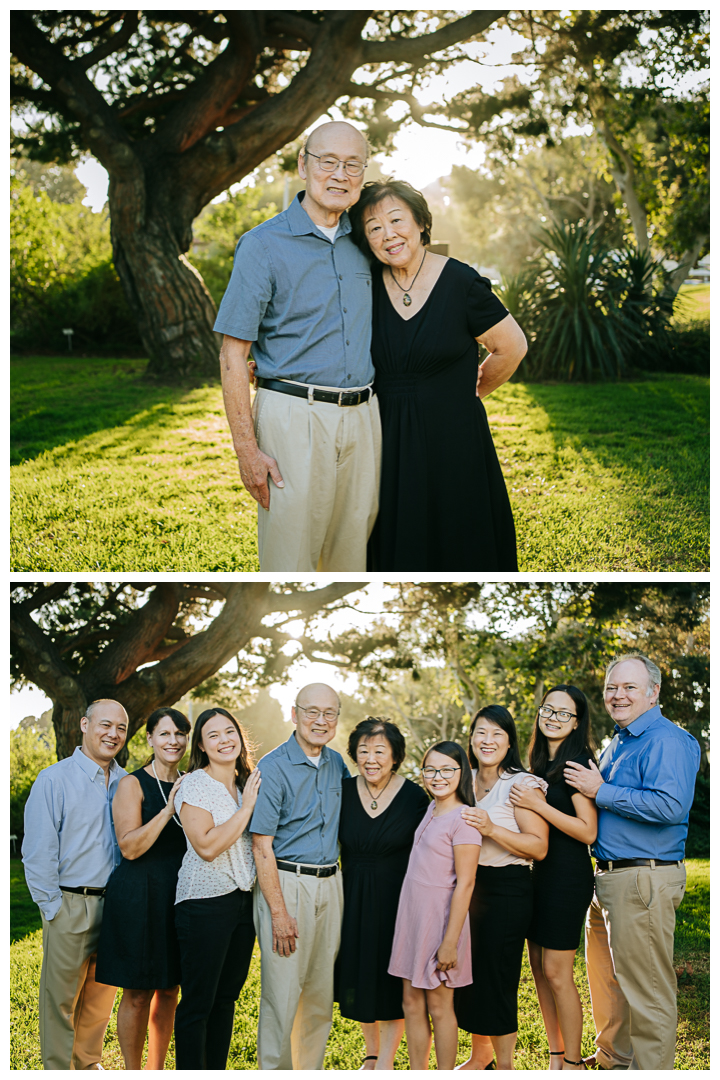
(300, 297)
(69, 852)
(643, 790)
(298, 897)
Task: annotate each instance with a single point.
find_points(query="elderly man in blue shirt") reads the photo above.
(298, 896)
(69, 852)
(300, 297)
(643, 791)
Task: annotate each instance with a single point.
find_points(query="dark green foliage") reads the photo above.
(588, 312)
(698, 841)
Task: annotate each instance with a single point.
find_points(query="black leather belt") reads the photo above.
(83, 891)
(335, 397)
(617, 864)
(299, 868)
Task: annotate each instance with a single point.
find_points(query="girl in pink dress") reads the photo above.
(431, 946)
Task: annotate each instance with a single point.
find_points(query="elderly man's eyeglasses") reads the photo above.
(330, 164)
(563, 717)
(447, 772)
(313, 713)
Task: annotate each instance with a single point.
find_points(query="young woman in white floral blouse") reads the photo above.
(213, 907)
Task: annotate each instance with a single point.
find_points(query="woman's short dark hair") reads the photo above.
(498, 714)
(579, 743)
(373, 193)
(244, 763)
(179, 719)
(379, 725)
(453, 750)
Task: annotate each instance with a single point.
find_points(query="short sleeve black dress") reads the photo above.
(443, 500)
(138, 947)
(374, 853)
(563, 881)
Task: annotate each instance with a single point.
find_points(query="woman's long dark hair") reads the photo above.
(455, 751)
(179, 719)
(498, 714)
(579, 743)
(244, 763)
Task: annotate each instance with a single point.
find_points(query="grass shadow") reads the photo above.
(58, 400)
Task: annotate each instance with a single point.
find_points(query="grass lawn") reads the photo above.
(345, 1046)
(113, 474)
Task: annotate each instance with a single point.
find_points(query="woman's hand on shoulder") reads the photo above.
(171, 797)
(524, 797)
(251, 789)
(479, 819)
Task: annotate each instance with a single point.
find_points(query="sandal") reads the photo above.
(368, 1057)
(580, 1062)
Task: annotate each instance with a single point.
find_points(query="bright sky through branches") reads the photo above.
(422, 154)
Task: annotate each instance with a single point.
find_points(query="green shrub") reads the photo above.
(698, 840)
(589, 312)
(62, 275)
(31, 750)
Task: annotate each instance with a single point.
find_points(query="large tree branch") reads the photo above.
(310, 602)
(116, 41)
(216, 90)
(103, 134)
(43, 595)
(40, 661)
(139, 638)
(403, 49)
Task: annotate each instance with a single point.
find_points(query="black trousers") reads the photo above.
(216, 939)
(500, 912)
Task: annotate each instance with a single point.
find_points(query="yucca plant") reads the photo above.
(586, 333)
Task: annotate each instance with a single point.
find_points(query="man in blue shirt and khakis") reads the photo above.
(643, 791)
(300, 297)
(69, 852)
(298, 898)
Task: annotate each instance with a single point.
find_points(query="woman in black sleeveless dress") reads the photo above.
(138, 948)
(443, 501)
(380, 813)
(563, 882)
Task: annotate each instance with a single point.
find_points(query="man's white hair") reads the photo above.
(654, 675)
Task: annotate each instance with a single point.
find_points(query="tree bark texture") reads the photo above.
(216, 130)
(144, 665)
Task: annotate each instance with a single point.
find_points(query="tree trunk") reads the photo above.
(687, 261)
(173, 307)
(66, 722)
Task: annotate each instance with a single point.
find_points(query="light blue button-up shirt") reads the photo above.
(299, 804)
(304, 301)
(69, 834)
(649, 772)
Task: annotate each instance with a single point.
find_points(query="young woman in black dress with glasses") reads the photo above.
(563, 881)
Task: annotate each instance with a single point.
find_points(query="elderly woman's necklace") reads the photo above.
(407, 299)
(373, 804)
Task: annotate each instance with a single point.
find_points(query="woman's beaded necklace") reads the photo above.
(175, 818)
(407, 299)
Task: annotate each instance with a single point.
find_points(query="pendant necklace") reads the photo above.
(373, 804)
(407, 299)
(175, 818)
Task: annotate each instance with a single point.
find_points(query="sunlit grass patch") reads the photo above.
(118, 475)
(345, 1049)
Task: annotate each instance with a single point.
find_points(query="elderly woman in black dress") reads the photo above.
(443, 502)
(379, 816)
(563, 882)
(138, 947)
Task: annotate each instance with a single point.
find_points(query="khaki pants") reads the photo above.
(296, 995)
(629, 954)
(329, 459)
(74, 1009)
